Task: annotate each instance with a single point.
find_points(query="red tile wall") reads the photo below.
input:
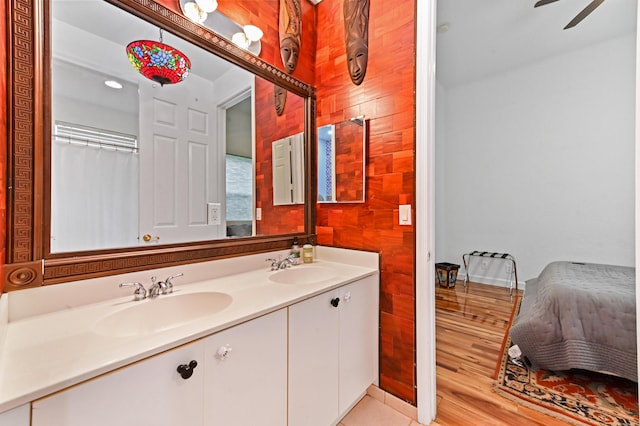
(349, 161)
(386, 98)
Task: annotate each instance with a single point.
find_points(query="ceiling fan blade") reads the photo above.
(585, 12)
(543, 2)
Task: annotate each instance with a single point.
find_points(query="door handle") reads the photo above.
(147, 238)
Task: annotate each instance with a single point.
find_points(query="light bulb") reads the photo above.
(252, 32)
(207, 5)
(193, 12)
(241, 40)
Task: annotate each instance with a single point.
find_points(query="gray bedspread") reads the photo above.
(579, 315)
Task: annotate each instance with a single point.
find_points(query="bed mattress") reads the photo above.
(579, 315)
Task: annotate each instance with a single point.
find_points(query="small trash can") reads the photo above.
(446, 274)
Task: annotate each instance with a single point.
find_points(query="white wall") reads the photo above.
(539, 162)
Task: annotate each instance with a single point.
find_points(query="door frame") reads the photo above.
(221, 116)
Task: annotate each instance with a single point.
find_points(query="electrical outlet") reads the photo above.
(258, 213)
(213, 213)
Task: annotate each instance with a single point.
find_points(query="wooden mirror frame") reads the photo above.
(28, 155)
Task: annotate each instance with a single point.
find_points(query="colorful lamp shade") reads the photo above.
(158, 62)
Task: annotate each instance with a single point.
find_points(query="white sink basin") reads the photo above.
(162, 313)
(302, 275)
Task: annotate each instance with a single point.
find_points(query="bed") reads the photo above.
(579, 315)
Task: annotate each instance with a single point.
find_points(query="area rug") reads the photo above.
(575, 396)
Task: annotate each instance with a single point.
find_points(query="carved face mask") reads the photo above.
(289, 50)
(280, 98)
(290, 33)
(356, 28)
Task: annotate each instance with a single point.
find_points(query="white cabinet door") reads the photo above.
(358, 340)
(148, 393)
(18, 416)
(333, 352)
(246, 374)
(313, 361)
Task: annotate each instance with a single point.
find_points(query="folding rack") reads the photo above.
(500, 256)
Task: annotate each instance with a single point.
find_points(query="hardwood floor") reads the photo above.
(470, 326)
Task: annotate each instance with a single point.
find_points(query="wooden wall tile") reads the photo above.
(386, 99)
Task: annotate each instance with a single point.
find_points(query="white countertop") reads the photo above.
(45, 351)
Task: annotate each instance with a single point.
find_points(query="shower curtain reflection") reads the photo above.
(98, 207)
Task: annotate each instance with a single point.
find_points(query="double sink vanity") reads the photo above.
(234, 343)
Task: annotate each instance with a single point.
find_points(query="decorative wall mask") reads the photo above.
(290, 30)
(280, 98)
(356, 38)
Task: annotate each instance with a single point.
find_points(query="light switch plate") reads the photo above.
(405, 214)
(213, 213)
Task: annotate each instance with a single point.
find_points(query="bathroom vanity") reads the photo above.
(234, 344)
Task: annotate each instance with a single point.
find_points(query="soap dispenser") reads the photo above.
(295, 251)
(307, 252)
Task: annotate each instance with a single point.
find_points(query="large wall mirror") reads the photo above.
(142, 174)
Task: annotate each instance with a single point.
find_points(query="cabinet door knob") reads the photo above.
(185, 370)
(224, 352)
(335, 302)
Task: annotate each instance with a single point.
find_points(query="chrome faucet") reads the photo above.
(162, 287)
(157, 288)
(169, 284)
(139, 294)
(277, 264)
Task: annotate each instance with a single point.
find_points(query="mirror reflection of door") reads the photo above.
(178, 158)
(239, 181)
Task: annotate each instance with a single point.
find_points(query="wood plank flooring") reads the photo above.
(470, 326)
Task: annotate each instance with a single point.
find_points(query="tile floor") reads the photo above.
(372, 412)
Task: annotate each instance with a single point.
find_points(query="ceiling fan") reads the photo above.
(580, 16)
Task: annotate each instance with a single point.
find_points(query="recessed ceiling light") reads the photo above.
(113, 84)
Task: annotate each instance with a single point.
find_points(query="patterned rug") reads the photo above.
(575, 396)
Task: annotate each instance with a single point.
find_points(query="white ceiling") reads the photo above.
(489, 36)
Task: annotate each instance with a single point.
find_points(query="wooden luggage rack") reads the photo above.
(500, 256)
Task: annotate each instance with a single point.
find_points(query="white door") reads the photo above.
(246, 374)
(178, 159)
(148, 393)
(313, 361)
(358, 340)
(281, 160)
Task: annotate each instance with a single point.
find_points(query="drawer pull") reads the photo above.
(185, 370)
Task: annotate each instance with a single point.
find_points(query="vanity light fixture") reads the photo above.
(199, 11)
(194, 12)
(207, 5)
(250, 34)
(113, 84)
(158, 61)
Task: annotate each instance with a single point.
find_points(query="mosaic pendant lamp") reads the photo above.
(158, 61)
